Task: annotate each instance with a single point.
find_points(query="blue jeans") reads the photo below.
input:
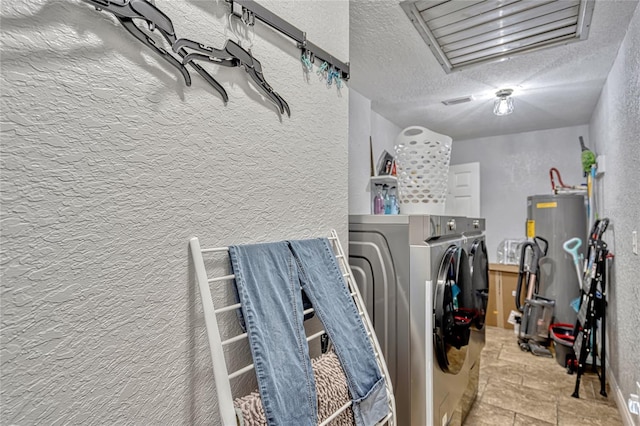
(269, 278)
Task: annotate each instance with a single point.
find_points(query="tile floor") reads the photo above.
(517, 388)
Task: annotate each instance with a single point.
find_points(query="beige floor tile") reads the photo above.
(495, 333)
(531, 402)
(513, 353)
(486, 414)
(491, 352)
(518, 388)
(592, 382)
(554, 378)
(522, 420)
(586, 412)
(502, 370)
(482, 385)
(565, 420)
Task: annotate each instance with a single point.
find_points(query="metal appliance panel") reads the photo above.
(421, 227)
(441, 394)
(372, 266)
(395, 231)
(423, 364)
(420, 387)
(479, 263)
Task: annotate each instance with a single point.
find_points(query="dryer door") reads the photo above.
(452, 318)
(479, 262)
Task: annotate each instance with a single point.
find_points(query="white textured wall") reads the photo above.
(512, 167)
(359, 157)
(384, 134)
(615, 130)
(365, 123)
(109, 165)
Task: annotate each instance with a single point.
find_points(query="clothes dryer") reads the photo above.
(414, 274)
(474, 242)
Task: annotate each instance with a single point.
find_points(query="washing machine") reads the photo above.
(414, 275)
(474, 242)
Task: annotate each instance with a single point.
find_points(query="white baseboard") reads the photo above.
(627, 417)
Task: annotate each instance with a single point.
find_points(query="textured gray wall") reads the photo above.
(512, 167)
(615, 131)
(110, 164)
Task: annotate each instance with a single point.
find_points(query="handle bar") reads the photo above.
(571, 246)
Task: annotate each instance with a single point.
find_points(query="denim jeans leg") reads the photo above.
(324, 284)
(267, 280)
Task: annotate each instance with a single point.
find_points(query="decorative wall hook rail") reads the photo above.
(240, 7)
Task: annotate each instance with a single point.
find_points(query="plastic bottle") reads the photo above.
(387, 200)
(378, 201)
(394, 201)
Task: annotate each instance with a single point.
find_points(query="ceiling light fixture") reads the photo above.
(504, 103)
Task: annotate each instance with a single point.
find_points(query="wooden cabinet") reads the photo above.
(502, 286)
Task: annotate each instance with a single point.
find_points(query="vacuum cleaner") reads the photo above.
(536, 311)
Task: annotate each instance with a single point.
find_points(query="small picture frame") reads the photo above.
(385, 164)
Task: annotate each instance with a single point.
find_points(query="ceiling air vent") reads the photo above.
(467, 32)
(457, 101)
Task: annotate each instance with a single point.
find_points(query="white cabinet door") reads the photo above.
(463, 192)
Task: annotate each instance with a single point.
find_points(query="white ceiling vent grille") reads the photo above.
(457, 101)
(466, 32)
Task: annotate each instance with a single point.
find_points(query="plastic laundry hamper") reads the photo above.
(422, 161)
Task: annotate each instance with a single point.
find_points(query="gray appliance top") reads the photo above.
(462, 223)
(424, 227)
(556, 196)
(379, 218)
(398, 218)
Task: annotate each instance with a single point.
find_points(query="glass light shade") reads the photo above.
(503, 105)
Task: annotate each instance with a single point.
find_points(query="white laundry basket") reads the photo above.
(422, 161)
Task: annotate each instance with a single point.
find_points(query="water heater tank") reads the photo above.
(558, 218)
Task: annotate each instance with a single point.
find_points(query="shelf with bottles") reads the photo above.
(384, 198)
(384, 179)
